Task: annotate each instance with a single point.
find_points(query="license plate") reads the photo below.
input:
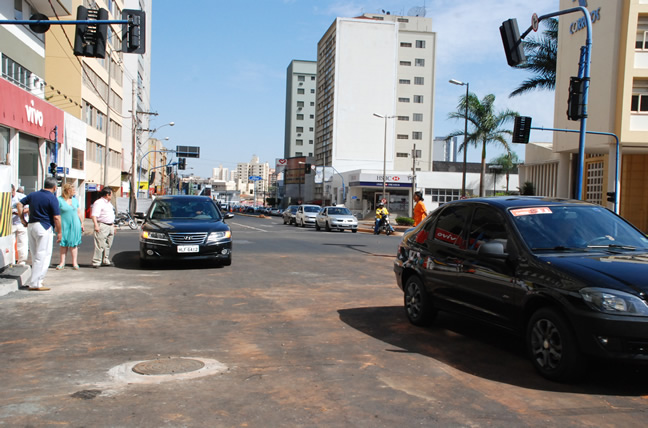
(188, 248)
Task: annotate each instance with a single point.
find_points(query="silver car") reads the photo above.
(339, 218)
(305, 215)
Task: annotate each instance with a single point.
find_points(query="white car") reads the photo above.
(339, 218)
(305, 215)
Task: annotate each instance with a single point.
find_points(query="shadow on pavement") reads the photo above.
(130, 260)
(487, 352)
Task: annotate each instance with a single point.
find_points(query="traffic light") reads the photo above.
(134, 33)
(307, 168)
(90, 39)
(182, 163)
(512, 42)
(575, 101)
(611, 197)
(52, 169)
(521, 129)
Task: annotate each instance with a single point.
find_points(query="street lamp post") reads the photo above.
(465, 150)
(384, 176)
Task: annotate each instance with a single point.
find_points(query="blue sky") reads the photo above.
(219, 68)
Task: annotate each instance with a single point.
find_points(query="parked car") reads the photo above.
(275, 212)
(305, 215)
(178, 227)
(289, 214)
(569, 276)
(339, 218)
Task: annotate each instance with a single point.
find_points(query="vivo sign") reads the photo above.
(33, 115)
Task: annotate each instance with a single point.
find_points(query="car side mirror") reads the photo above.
(492, 249)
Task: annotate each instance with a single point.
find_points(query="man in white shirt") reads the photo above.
(17, 229)
(103, 217)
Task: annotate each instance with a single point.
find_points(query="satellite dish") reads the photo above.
(416, 11)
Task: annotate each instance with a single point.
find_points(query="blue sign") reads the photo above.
(91, 187)
(255, 178)
(59, 169)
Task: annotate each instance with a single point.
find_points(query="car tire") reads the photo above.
(285, 222)
(418, 305)
(552, 346)
(327, 227)
(302, 223)
(296, 224)
(227, 262)
(317, 226)
(354, 230)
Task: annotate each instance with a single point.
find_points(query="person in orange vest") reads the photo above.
(419, 209)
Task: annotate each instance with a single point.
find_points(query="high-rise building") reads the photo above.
(375, 91)
(252, 178)
(300, 109)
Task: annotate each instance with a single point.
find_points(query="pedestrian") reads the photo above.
(103, 217)
(44, 217)
(18, 231)
(71, 225)
(419, 209)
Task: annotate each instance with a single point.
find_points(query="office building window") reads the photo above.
(404, 81)
(299, 129)
(312, 116)
(301, 78)
(402, 137)
(300, 117)
(311, 129)
(402, 155)
(77, 158)
(406, 63)
(16, 73)
(403, 100)
(299, 142)
(406, 45)
(300, 104)
(312, 77)
(18, 12)
(310, 142)
(419, 81)
(444, 195)
(639, 96)
(417, 117)
(642, 33)
(417, 135)
(312, 91)
(300, 91)
(420, 43)
(418, 99)
(403, 118)
(419, 62)
(312, 103)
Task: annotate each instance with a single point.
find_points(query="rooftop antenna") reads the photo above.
(417, 11)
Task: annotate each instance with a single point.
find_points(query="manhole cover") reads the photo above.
(168, 366)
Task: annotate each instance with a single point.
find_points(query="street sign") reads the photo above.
(59, 169)
(255, 178)
(383, 200)
(188, 151)
(282, 162)
(534, 22)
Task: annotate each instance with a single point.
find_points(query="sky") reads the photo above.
(219, 68)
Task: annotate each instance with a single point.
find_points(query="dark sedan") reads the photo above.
(185, 227)
(570, 276)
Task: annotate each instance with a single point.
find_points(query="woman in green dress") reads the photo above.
(71, 225)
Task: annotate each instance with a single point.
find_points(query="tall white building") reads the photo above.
(300, 109)
(221, 173)
(375, 91)
(250, 186)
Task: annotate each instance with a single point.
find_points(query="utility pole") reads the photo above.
(107, 153)
(133, 186)
(413, 179)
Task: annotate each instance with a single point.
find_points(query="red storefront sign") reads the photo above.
(21, 110)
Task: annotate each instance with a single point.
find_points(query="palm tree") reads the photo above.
(541, 56)
(509, 161)
(486, 126)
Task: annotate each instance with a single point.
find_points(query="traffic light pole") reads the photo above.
(617, 163)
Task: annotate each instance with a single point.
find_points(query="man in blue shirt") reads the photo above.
(44, 217)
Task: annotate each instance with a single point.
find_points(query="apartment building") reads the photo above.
(252, 187)
(300, 109)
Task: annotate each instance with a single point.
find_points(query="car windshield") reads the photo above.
(184, 209)
(339, 211)
(312, 209)
(293, 210)
(575, 227)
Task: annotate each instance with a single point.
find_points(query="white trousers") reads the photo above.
(40, 246)
(22, 249)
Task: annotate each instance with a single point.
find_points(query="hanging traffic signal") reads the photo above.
(611, 197)
(90, 39)
(52, 168)
(576, 99)
(307, 168)
(512, 42)
(134, 33)
(182, 163)
(521, 130)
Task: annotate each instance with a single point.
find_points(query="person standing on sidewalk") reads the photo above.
(419, 209)
(17, 229)
(71, 224)
(44, 215)
(103, 217)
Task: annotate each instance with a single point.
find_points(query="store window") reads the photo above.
(642, 33)
(4, 146)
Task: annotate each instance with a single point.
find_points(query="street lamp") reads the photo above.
(465, 150)
(384, 177)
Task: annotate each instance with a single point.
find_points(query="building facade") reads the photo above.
(300, 108)
(252, 180)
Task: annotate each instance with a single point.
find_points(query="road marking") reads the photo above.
(250, 227)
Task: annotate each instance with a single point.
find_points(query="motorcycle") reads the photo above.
(124, 218)
(385, 226)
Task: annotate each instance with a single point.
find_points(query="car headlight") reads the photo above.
(614, 302)
(219, 236)
(154, 235)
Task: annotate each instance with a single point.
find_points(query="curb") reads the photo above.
(13, 277)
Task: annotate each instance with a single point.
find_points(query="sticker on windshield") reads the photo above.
(530, 211)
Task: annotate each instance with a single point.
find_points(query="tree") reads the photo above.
(487, 126)
(509, 162)
(541, 53)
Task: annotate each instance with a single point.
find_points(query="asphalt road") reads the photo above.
(305, 328)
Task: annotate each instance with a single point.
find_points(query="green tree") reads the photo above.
(485, 126)
(509, 161)
(541, 53)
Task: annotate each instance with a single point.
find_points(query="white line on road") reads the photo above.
(250, 227)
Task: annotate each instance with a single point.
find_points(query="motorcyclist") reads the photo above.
(381, 215)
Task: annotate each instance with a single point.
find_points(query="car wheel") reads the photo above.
(327, 226)
(284, 220)
(227, 262)
(552, 346)
(418, 305)
(317, 226)
(296, 224)
(302, 223)
(354, 230)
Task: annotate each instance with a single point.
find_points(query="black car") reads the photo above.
(185, 227)
(570, 276)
